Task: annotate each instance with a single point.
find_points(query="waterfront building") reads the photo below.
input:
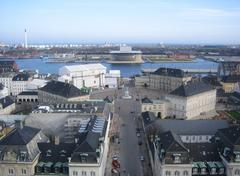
(126, 56)
(60, 92)
(191, 100)
(226, 68)
(84, 75)
(19, 83)
(8, 66)
(231, 83)
(19, 152)
(7, 105)
(159, 107)
(166, 79)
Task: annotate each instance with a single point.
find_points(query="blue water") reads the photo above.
(127, 70)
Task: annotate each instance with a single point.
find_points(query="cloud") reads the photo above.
(207, 12)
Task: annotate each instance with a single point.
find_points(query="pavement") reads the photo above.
(125, 121)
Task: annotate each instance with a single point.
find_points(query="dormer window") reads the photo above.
(63, 153)
(23, 156)
(226, 151)
(49, 153)
(177, 158)
(83, 157)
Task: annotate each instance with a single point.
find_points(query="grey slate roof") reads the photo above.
(171, 142)
(21, 77)
(191, 88)
(203, 152)
(1, 86)
(231, 79)
(55, 153)
(232, 134)
(28, 93)
(148, 117)
(146, 100)
(170, 72)
(20, 136)
(62, 89)
(6, 101)
(88, 142)
(191, 127)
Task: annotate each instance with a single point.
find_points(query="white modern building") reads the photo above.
(83, 75)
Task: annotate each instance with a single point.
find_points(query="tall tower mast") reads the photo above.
(25, 39)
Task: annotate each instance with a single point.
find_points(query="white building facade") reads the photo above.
(84, 75)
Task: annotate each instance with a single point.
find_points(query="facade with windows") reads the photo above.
(191, 100)
(174, 157)
(19, 152)
(84, 75)
(168, 79)
(90, 156)
(159, 107)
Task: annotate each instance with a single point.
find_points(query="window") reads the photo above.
(75, 173)
(24, 171)
(237, 172)
(177, 173)
(168, 173)
(10, 171)
(93, 173)
(185, 173)
(84, 173)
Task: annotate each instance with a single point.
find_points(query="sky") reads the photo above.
(120, 21)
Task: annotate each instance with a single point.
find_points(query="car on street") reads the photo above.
(138, 134)
(142, 158)
(139, 142)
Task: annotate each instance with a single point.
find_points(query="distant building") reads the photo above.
(8, 66)
(126, 55)
(227, 68)
(20, 82)
(19, 152)
(7, 105)
(60, 92)
(231, 83)
(166, 79)
(84, 75)
(191, 100)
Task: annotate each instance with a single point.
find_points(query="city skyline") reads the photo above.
(175, 22)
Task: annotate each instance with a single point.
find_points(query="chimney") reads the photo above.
(56, 140)
(18, 124)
